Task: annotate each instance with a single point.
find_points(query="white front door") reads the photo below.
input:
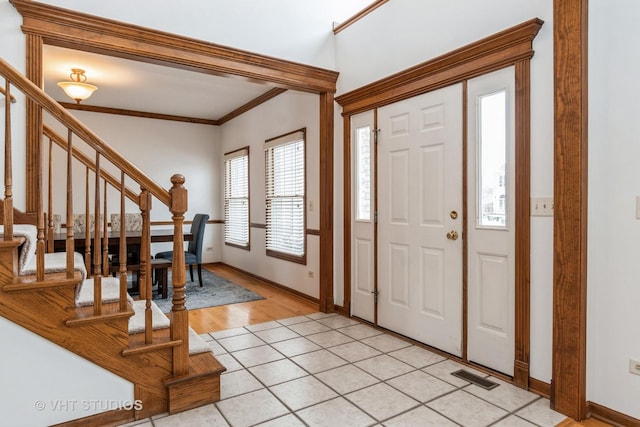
(420, 218)
(363, 216)
(491, 220)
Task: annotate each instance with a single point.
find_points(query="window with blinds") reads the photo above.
(285, 196)
(236, 198)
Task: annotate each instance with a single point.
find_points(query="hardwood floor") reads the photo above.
(591, 422)
(278, 304)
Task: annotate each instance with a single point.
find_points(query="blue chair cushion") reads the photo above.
(189, 258)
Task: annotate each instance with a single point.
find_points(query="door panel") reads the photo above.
(362, 217)
(420, 176)
(491, 230)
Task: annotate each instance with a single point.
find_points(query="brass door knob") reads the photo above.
(452, 235)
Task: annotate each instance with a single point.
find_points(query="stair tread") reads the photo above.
(110, 311)
(136, 323)
(55, 262)
(110, 291)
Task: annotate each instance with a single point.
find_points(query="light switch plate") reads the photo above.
(542, 206)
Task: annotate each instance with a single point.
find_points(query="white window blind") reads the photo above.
(236, 198)
(285, 198)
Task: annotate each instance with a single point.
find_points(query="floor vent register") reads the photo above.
(475, 379)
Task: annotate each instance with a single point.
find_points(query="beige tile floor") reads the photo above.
(328, 370)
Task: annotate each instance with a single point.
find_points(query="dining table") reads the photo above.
(134, 240)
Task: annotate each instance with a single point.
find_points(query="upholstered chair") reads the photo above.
(193, 254)
(80, 223)
(132, 222)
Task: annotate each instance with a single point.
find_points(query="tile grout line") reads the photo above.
(328, 349)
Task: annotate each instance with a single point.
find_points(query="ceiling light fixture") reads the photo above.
(77, 88)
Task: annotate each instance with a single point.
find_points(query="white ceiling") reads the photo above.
(139, 86)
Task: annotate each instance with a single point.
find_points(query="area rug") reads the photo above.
(215, 291)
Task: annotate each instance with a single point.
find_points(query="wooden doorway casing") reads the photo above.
(512, 47)
(45, 24)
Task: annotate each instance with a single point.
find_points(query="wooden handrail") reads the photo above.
(85, 160)
(50, 105)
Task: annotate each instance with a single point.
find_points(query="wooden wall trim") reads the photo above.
(491, 53)
(272, 283)
(346, 209)
(358, 16)
(326, 202)
(251, 104)
(540, 387)
(75, 30)
(523, 224)
(34, 123)
(147, 115)
(134, 113)
(612, 417)
(568, 392)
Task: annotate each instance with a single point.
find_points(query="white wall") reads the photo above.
(160, 149)
(614, 184)
(403, 33)
(285, 113)
(299, 31)
(44, 384)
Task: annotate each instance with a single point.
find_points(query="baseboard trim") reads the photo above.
(610, 416)
(272, 283)
(540, 387)
(109, 418)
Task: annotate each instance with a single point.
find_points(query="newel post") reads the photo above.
(179, 313)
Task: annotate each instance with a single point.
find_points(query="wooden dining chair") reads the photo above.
(193, 254)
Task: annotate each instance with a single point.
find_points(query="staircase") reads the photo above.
(69, 298)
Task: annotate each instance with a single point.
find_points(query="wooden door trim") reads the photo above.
(489, 54)
(570, 37)
(511, 47)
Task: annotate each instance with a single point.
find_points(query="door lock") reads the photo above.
(453, 214)
(452, 235)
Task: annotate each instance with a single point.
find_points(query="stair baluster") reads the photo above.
(70, 243)
(50, 230)
(97, 257)
(8, 173)
(123, 248)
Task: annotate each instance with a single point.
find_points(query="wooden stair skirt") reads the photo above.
(49, 308)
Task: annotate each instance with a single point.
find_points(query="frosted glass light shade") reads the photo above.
(78, 91)
(77, 88)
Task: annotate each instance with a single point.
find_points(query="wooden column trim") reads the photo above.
(34, 122)
(523, 224)
(326, 202)
(346, 209)
(568, 392)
